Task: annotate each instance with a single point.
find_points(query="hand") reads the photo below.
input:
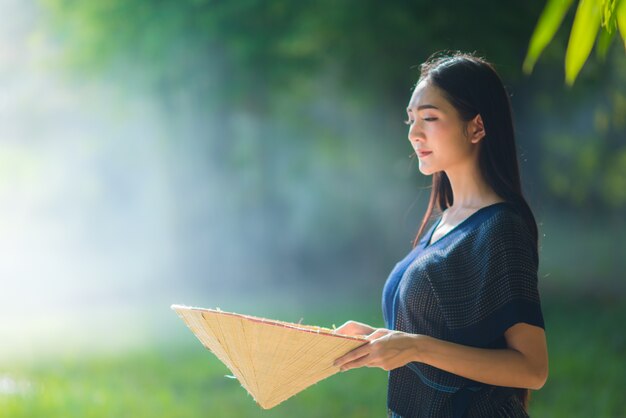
(354, 328)
(386, 349)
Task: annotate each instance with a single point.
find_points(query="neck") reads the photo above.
(469, 189)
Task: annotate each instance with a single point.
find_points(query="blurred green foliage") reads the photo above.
(294, 114)
(261, 46)
(267, 61)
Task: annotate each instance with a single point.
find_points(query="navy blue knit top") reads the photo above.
(467, 287)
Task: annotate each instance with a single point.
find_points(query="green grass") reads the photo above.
(177, 382)
(587, 346)
(587, 377)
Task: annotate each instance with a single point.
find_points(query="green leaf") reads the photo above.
(583, 35)
(608, 14)
(621, 19)
(604, 41)
(549, 22)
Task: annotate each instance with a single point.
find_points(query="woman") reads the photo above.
(464, 329)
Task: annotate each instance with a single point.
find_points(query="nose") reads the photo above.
(415, 132)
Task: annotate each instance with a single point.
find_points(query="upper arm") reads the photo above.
(530, 341)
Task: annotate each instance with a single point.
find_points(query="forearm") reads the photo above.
(501, 367)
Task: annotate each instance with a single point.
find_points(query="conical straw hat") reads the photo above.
(272, 359)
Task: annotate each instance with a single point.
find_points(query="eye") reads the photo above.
(430, 119)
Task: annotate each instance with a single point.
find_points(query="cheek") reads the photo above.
(439, 134)
(448, 141)
(448, 128)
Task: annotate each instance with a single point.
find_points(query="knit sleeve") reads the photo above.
(504, 288)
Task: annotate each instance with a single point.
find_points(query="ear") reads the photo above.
(476, 129)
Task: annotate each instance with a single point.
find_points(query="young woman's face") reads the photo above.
(436, 131)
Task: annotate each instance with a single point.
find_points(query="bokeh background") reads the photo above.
(251, 155)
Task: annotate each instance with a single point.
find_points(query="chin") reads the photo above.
(426, 171)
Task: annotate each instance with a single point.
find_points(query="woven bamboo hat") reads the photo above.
(273, 360)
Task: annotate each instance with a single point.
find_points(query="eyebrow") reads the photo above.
(426, 106)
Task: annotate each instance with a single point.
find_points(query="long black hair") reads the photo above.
(473, 87)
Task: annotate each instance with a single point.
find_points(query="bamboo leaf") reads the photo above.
(547, 25)
(608, 14)
(581, 40)
(621, 19)
(604, 41)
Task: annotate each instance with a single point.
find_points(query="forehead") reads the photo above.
(427, 94)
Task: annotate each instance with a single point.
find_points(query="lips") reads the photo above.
(421, 153)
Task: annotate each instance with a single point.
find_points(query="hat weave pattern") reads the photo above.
(273, 360)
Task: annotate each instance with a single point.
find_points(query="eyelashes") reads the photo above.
(410, 122)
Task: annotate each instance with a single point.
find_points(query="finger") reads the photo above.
(352, 355)
(346, 330)
(360, 362)
(345, 325)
